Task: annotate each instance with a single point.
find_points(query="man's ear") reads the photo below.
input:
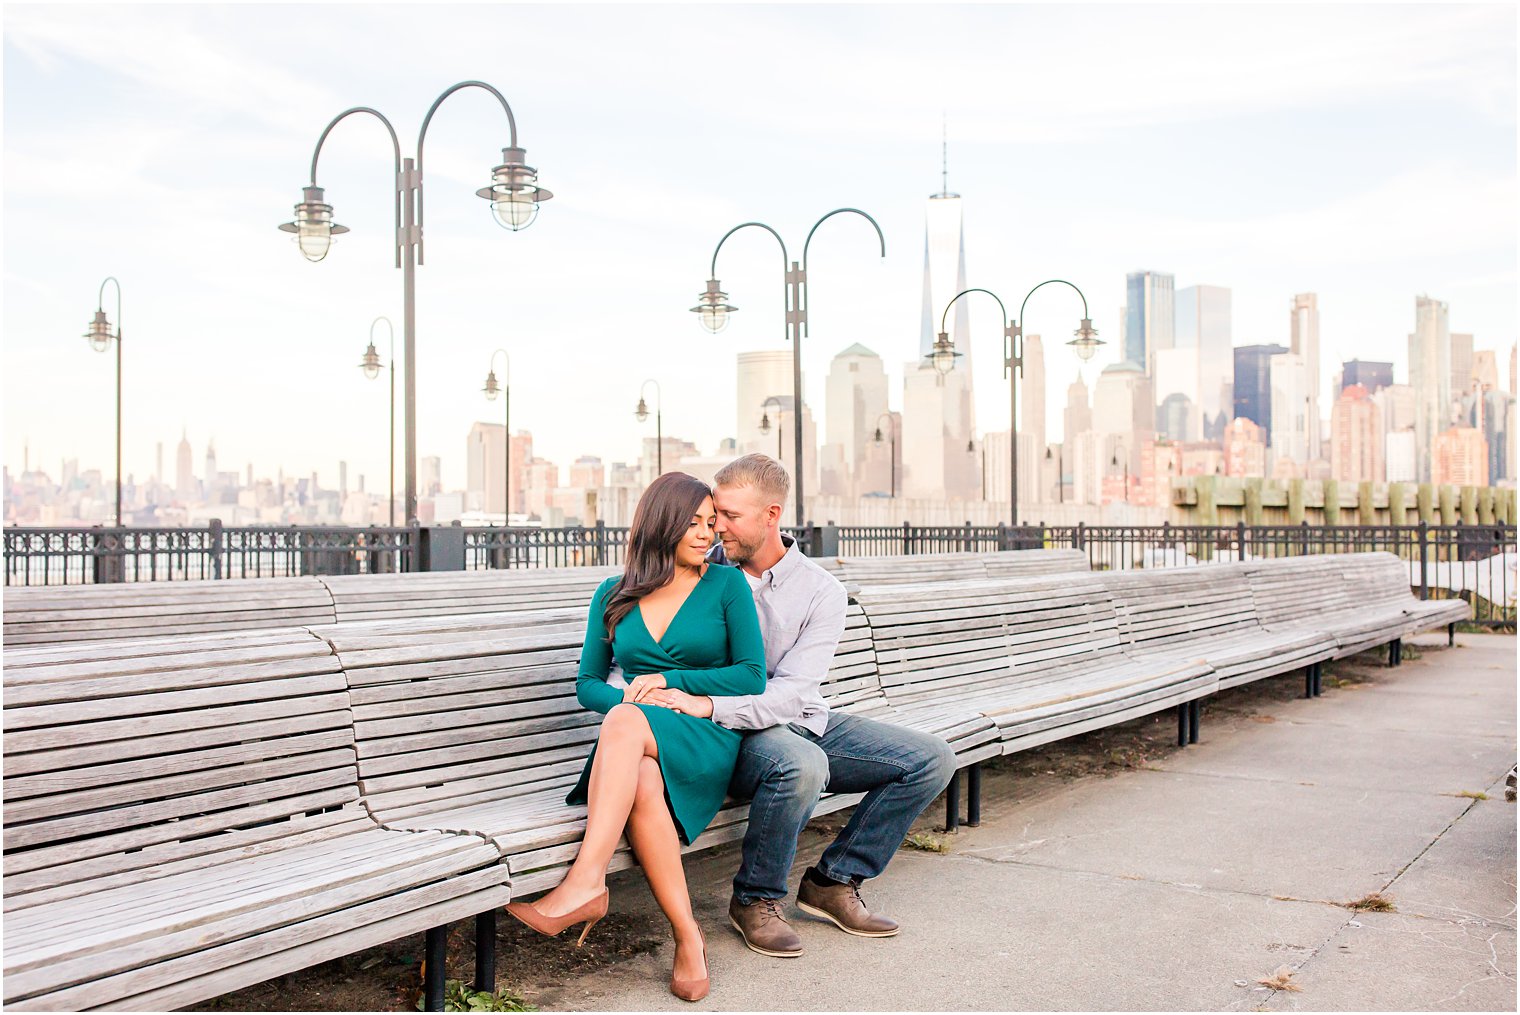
(774, 514)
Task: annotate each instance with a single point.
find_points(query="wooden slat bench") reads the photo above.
(456, 593)
(916, 568)
(1041, 657)
(182, 819)
(1205, 611)
(1379, 580)
(50, 614)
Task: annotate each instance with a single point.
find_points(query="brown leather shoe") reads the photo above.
(764, 928)
(842, 906)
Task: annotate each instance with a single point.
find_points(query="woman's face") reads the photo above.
(699, 536)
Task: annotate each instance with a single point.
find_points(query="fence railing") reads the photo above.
(1476, 562)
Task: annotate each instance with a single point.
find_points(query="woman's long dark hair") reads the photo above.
(660, 522)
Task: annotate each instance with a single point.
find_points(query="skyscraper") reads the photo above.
(1485, 369)
(1203, 322)
(1032, 396)
(1291, 406)
(184, 470)
(1430, 377)
(855, 398)
(1305, 343)
(1370, 374)
(1149, 316)
(485, 460)
(1356, 437)
(1253, 384)
(1460, 457)
(1461, 364)
(1078, 416)
(761, 374)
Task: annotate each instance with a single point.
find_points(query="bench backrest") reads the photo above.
(138, 753)
(49, 614)
(1022, 563)
(1161, 608)
(1294, 590)
(363, 597)
(1375, 578)
(956, 639)
(918, 568)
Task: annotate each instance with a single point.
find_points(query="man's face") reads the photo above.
(743, 521)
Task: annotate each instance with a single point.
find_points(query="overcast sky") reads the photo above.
(1366, 153)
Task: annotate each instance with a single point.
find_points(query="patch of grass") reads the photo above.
(1281, 979)
(1372, 902)
(1469, 794)
(458, 997)
(924, 842)
(1408, 653)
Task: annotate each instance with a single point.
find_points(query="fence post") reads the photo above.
(907, 538)
(1240, 540)
(966, 539)
(441, 548)
(1004, 542)
(106, 566)
(1424, 547)
(1079, 536)
(216, 547)
(601, 542)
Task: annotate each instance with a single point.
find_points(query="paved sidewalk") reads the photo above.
(1181, 882)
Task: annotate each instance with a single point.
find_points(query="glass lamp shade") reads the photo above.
(313, 226)
(971, 447)
(100, 332)
(1087, 341)
(642, 412)
(371, 362)
(877, 438)
(492, 388)
(765, 422)
(713, 310)
(944, 355)
(514, 192)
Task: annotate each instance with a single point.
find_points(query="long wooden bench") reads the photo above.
(51, 614)
(363, 597)
(182, 818)
(1041, 657)
(917, 568)
(1380, 581)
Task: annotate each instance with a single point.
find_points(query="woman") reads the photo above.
(685, 629)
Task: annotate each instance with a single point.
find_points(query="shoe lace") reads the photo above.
(770, 909)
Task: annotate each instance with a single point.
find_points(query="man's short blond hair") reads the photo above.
(762, 472)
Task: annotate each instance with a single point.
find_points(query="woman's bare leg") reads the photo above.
(652, 834)
(625, 738)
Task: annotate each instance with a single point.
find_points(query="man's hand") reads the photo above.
(699, 705)
(642, 686)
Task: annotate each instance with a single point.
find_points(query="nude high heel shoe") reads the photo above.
(590, 912)
(693, 990)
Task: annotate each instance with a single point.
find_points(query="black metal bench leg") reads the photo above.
(1318, 671)
(1309, 681)
(485, 951)
(1195, 716)
(433, 967)
(1451, 634)
(953, 803)
(974, 795)
(1182, 724)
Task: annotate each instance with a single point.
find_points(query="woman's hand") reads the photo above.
(642, 686)
(698, 705)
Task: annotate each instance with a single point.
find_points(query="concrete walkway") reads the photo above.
(1180, 881)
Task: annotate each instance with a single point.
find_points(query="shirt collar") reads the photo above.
(790, 561)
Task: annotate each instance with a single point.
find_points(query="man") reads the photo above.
(794, 747)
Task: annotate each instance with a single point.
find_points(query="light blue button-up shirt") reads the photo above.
(802, 612)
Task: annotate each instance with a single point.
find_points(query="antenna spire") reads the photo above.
(944, 152)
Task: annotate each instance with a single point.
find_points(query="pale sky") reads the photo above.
(1366, 153)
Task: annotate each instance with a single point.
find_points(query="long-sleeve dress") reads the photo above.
(713, 646)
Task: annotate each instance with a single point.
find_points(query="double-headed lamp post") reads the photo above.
(892, 437)
(945, 354)
(492, 389)
(713, 312)
(641, 413)
(100, 337)
(515, 197)
(765, 420)
(370, 364)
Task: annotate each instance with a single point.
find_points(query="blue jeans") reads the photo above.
(782, 770)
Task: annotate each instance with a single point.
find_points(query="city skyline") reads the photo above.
(275, 378)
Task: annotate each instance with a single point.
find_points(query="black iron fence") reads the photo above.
(1475, 562)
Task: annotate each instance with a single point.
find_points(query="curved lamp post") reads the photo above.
(892, 431)
(515, 197)
(765, 420)
(641, 413)
(944, 355)
(371, 367)
(492, 389)
(100, 336)
(713, 311)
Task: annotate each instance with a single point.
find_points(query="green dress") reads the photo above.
(713, 646)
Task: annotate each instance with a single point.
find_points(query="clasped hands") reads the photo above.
(650, 689)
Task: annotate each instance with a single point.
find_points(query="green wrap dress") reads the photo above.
(713, 646)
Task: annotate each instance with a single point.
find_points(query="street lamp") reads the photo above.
(713, 312)
(492, 389)
(642, 413)
(892, 430)
(371, 367)
(944, 355)
(515, 198)
(1115, 462)
(100, 337)
(765, 420)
